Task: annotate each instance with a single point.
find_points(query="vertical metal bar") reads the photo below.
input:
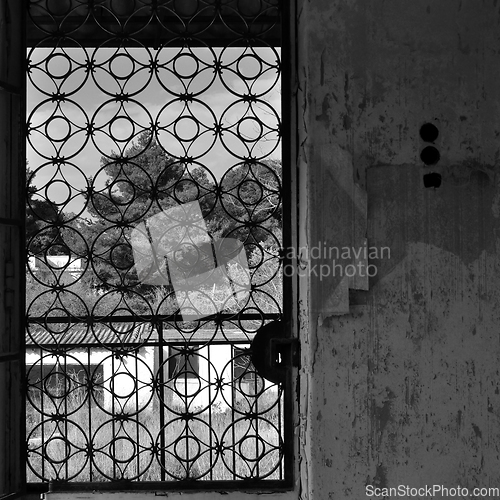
(113, 412)
(90, 378)
(233, 432)
(137, 432)
(42, 407)
(161, 399)
(67, 391)
(287, 160)
(209, 378)
(290, 215)
(186, 403)
(256, 423)
(280, 430)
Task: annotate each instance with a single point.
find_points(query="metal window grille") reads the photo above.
(137, 108)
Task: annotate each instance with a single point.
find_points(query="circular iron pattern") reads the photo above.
(136, 108)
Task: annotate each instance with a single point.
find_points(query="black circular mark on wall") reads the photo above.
(432, 180)
(429, 132)
(430, 155)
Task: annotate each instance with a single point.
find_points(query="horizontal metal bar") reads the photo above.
(116, 346)
(40, 320)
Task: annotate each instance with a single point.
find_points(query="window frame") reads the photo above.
(12, 249)
(289, 236)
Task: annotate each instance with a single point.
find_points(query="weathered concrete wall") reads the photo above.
(405, 387)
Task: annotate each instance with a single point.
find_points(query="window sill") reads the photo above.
(149, 495)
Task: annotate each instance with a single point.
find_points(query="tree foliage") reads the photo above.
(42, 220)
(243, 204)
(146, 181)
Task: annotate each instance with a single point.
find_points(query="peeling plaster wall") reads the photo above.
(402, 386)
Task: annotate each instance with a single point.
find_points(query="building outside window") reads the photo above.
(184, 362)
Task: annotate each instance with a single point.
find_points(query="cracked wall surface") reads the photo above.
(400, 383)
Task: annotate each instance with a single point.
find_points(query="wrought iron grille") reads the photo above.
(154, 222)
